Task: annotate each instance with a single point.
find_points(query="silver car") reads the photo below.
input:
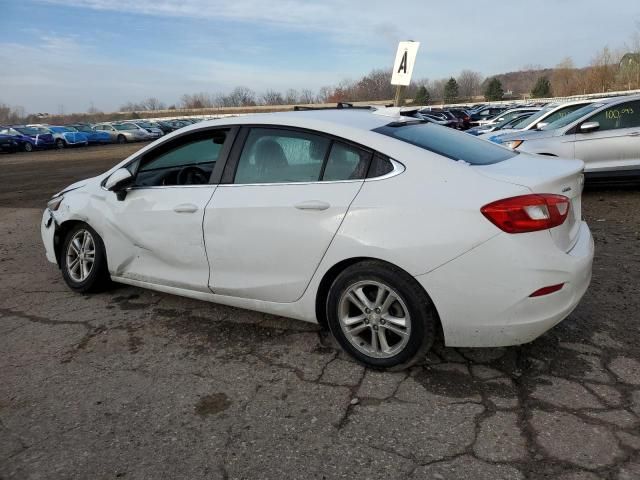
(124, 132)
(149, 127)
(507, 115)
(547, 115)
(604, 134)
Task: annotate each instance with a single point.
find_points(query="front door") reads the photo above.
(267, 231)
(616, 144)
(156, 231)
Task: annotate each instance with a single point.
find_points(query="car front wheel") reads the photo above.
(28, 147)
(83, 261)
(122, 139)
(381, 315)
(60, 144)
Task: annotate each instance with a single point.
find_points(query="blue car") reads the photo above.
(66, 137)
(94, 136)
(28, 138)
(8, 144)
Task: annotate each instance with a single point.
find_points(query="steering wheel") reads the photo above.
(192, 176)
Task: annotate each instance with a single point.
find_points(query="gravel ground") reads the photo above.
(140, 385)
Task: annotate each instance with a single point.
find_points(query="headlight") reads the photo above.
(54, 203)
(513, 144)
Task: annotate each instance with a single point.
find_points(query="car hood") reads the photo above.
(498, 134)
(74, 186)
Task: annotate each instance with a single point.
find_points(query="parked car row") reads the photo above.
(473, 117)
(603, 132)
(27, 138)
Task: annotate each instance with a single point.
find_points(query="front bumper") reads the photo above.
(483, 299)
(47, 231)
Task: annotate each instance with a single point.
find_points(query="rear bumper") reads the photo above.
(483, 297)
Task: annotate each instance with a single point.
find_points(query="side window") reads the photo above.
(186, 160)
(346, 163)
(623, 115)
(281, 156)
(380, 165)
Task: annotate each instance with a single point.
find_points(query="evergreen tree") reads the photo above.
(542, 88)
(422, 96)
(451, 91)
(493, 91)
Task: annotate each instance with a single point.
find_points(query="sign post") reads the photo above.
(403, 68)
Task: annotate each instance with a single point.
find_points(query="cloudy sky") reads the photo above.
(70, 54)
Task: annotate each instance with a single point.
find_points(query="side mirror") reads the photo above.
(587, 127)
(541, 125)
(118, 181)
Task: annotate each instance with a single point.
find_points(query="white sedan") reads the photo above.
(387, 229)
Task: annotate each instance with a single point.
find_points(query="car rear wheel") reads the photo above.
(122, 139)
(83, 261)
(60, 144)
(381, 315)
(27, 147)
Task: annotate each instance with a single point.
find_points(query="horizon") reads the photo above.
(93, 54)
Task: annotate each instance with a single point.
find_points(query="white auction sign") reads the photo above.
(405, 60)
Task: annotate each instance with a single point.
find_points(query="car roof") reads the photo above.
(360, 119)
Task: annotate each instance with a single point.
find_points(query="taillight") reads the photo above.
(528, 213)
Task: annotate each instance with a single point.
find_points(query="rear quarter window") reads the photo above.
(448, 142)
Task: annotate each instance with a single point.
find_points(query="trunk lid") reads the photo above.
(543, 174)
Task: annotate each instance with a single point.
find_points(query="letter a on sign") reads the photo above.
(405, 60)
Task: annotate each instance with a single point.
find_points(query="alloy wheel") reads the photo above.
(375, 319)
(81, 254)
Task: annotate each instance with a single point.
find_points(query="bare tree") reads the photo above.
(602, 71)
(10, 114)
(436, 87)
(324, 93)
(564, 78)
(469, 83)
(238, 97)
(271, 97)
(307, 96)
(196, 100)
(291, 97)
(152, 103)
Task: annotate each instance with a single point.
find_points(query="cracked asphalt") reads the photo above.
(135, 384)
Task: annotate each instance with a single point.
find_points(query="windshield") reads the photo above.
(513, 121)
(527, 121)
(449, 143)
(573, 116)
(125, 126)
(60, 129)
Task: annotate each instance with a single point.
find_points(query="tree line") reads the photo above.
(608, 70)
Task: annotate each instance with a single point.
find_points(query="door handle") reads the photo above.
(185, 208)
(312, 205)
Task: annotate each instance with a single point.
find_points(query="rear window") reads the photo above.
(449, 143)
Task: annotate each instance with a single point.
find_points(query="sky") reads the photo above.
(68, 55)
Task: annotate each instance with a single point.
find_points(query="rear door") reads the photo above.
(616, 144)
(284, 194)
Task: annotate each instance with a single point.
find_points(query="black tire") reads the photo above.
(423, 318)
(60, 144)
(122, 139)
(98, 277)
(27, 147)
